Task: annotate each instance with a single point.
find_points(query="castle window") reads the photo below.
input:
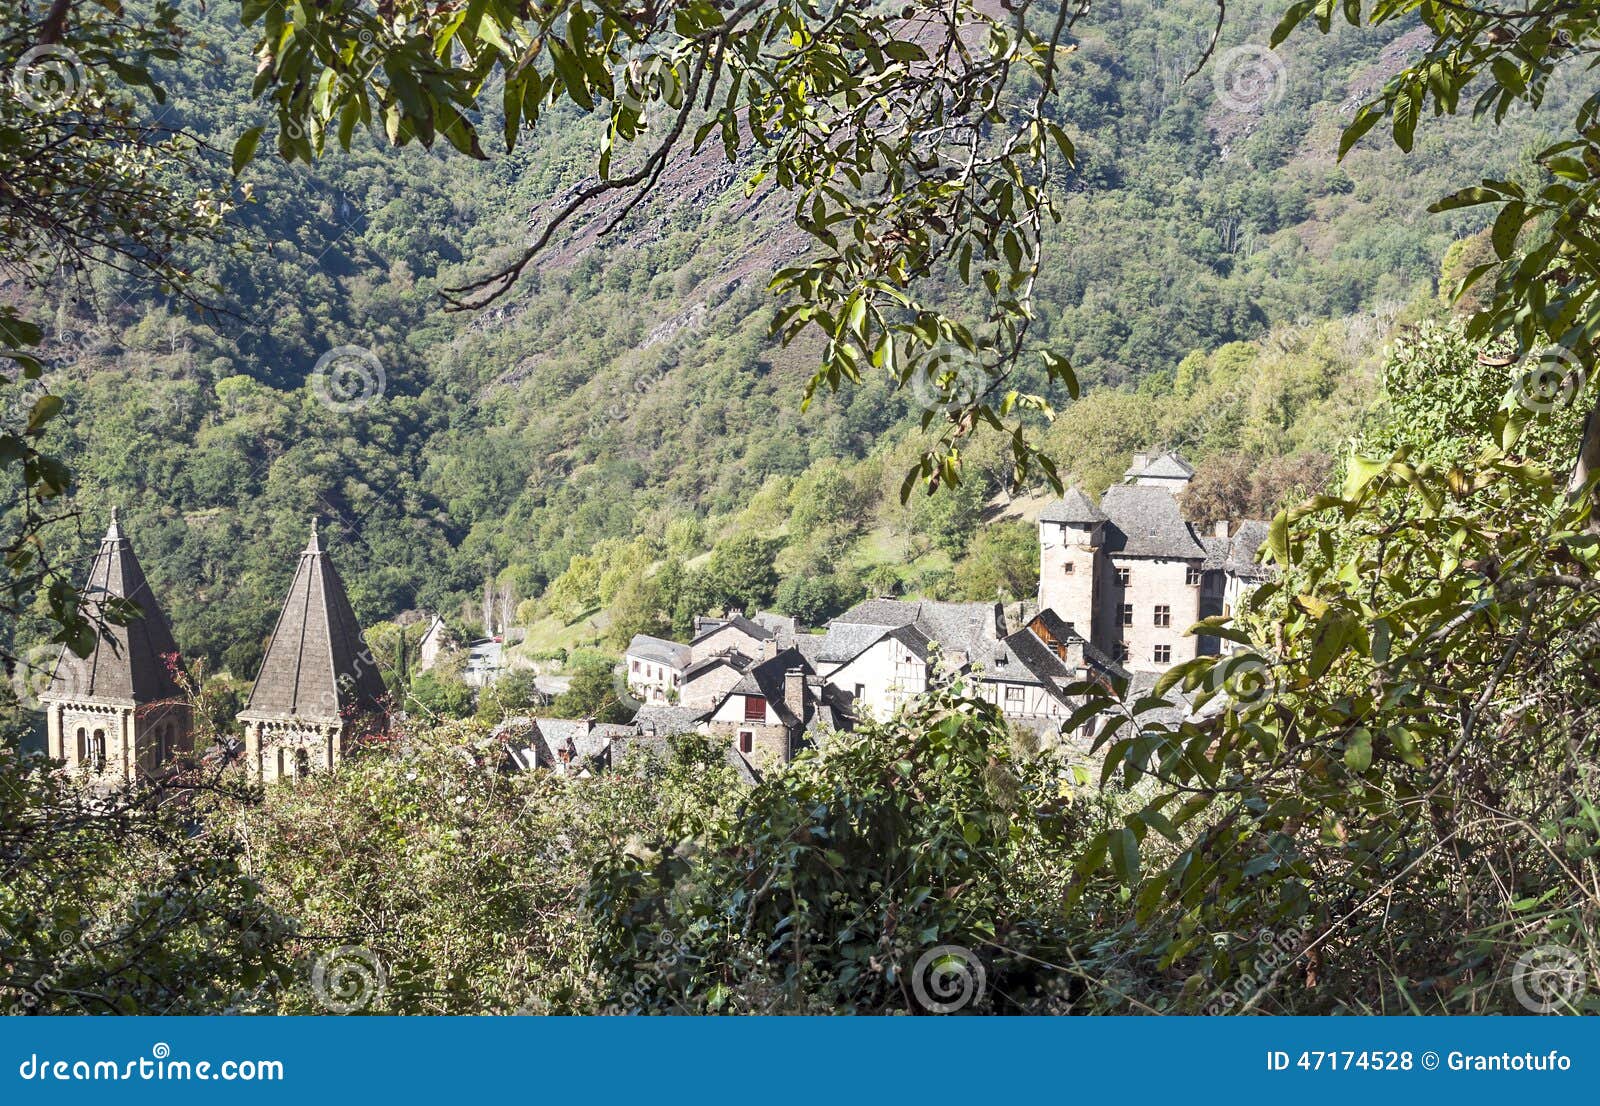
(97, 751)
(1191, 575)
(755, 708)
(1123, 653)
(1163, 615)
(1163, 654)
(1123, 576)
(83, 745)
(1069, 568)
(747, 741)
(1127, 614)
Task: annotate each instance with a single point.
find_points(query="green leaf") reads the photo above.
(245, 149)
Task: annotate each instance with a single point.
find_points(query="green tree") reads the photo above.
(595, 691)
(742, 571)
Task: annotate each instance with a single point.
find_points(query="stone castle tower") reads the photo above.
(318, 689)
(118, 714)
(1071, 564)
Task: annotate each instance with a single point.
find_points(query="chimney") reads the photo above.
(769, 649)
(588, 724)
(1221, 529)
(1140, 460)
(794, 692)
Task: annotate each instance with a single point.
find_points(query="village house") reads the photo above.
(655, 668)
(118, 715)
(775, 708)
(1132, 575)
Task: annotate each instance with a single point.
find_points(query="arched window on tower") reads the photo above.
(83, 745)
(97, 751)
(302, 764)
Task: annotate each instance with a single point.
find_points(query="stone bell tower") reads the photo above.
(318, 689)
(118, 715)
(1072, 562)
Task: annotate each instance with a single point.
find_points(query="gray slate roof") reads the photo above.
(665, 719)
(1073, 508)
(1146, 522)
(1244, 551)
(316, 667)
(129, 663)
(658, 650)
(739, 621)
(1168, 465)
(965, 628)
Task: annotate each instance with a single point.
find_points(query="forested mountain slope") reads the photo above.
(630, 382)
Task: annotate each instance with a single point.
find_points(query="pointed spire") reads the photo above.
(315, 545)
(128, 663)
(316, 667)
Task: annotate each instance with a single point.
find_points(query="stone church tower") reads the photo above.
(319, 688)
(1073, 565)
(118, 715)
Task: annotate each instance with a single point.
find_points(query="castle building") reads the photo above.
(1132, 575)
(118, 715)
(318, 689)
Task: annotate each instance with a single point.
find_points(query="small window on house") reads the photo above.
(1123, 576)
(636, 666)
(1123, 653)
(1127, 614)
(1014, 696)
(755, 708)
(1191, 575)
(861, 691)
(1069, 568)
(1163, 654)
(747, 741)
(1163, 615)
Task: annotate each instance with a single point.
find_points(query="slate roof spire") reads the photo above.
(317, 667)
(129, 663)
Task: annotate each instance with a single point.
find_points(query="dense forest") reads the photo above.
(630, 384)
(1380, 799)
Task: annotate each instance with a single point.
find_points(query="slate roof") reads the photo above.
(767, 680)
(1244, 551)
(658, 650)
(1146, 522)
(1074, 508)
(317, 667)
(958, 628)
(1168, 466)
(666, 719)
(129, 663)
(753, 629)
(732, 658)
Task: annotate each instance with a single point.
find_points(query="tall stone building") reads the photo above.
(318, 689)
(118, 714)
(1133, 575)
